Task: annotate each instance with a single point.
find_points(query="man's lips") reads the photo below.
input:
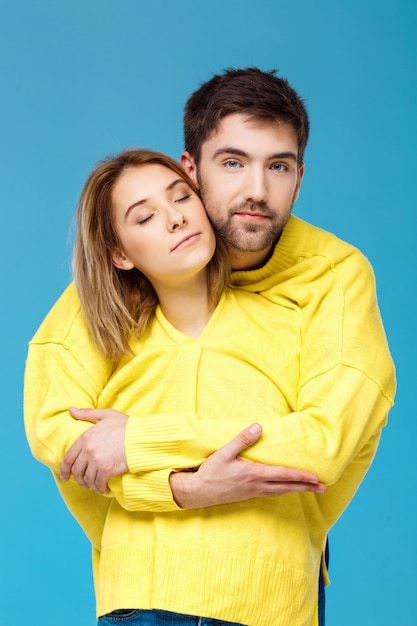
(252, 217)
(188, 240)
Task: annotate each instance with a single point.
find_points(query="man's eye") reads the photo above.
(279, 167)
(232, 164)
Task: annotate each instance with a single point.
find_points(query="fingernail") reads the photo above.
(255, 429)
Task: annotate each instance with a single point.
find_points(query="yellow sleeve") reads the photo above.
(339, 413)
(346, 387)
(56, 379)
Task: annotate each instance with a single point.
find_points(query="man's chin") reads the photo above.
(250, 241)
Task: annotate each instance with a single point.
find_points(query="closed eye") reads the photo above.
(145, 219)
(183, 198)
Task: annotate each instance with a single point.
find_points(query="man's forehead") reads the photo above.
(237, 128)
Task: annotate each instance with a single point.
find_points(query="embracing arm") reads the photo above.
(324, 444)
(223, 478)
(55, 378)
(321, 439)
(346, 388)
(98, 455)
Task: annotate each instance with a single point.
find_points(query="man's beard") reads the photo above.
(248, 236)
(245, 237)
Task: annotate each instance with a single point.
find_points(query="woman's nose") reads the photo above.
(175, 220)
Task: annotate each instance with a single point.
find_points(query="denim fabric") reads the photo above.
(322, 589)
(137, 617)
(322, 606)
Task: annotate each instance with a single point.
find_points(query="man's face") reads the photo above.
(249, 178)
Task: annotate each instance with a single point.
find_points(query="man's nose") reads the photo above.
(255, 186)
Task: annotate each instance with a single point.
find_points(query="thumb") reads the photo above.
(86, 415)
(243, 440)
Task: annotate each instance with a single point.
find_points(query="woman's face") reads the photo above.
(161, 224)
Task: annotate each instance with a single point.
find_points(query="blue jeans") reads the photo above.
(322, 589)
(137, 617)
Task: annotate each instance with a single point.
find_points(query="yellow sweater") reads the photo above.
(315, 371)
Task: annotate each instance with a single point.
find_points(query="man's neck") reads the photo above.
(249, 260)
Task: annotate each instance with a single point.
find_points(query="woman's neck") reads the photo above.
(187, 307)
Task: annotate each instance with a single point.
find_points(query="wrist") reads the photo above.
(183, 488)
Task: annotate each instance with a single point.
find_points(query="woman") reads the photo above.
(143, 249)
(150, 330)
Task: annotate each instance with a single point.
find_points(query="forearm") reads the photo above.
(224, 478)
(320, 440)
(147, 491)
(55, 381)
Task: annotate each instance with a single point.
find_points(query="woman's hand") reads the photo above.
(225, 478)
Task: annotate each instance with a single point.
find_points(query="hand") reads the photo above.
(224, 478)
(99, 454)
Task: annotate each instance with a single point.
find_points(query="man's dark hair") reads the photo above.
(252, 92)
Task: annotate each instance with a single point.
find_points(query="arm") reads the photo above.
(342, 402)
(224, 478)
(55, 376)
(215, 480)
(324, 444)
(345, 388)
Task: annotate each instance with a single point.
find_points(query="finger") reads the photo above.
(87, 415)
(69, 459)
(278, 474)
(90, 477)
(243, 440)
(285, 488)
(65, 471)
(78, 471)
(100, 484)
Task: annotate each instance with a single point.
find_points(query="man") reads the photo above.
(245, 135)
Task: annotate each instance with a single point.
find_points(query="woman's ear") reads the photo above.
(121, 261)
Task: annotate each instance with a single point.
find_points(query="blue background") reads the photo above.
(85, 78)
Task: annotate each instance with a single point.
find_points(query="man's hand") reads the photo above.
(99, 454)
(224, 478)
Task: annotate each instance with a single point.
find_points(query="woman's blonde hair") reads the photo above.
(119, 303)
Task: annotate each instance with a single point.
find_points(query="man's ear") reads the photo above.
(300, 178)
(120, 260)
(188, 165)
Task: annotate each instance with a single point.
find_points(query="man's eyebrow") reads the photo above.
(230, 150)
(174, 183)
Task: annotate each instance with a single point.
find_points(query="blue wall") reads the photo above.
(82, 79)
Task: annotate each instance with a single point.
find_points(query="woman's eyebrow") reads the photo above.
(174, 183)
